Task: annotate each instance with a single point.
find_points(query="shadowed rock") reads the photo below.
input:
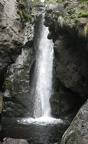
(77, 133)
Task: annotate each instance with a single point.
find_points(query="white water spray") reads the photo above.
(44, 70)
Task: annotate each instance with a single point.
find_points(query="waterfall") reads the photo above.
(43, 72)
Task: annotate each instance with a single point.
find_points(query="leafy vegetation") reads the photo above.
(83, 14)
(22, 11)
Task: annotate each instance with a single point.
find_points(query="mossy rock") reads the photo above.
(83, 14)
(9, 84)
(22, 5)
(23, 13)
(26, 15)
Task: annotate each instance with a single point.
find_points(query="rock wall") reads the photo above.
(13, 37)
(68, 27)
(17, 98)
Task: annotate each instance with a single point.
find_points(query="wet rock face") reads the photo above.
(17, 85)
(68, 29)
(71, 45)
(64, 103)
(11, 35)
(71, 65)
(77, 133)
(12, 39)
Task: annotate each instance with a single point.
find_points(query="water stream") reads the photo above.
(43, 68)
(39, 127)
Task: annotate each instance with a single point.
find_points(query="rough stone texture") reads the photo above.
(14, 141)
(12, 35)
(67, 29)
(77, 133)
(64, 103)
(12, 39)
(17, 85)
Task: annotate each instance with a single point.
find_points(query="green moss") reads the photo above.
(26, 15)
(83, 14)
(22, 11)
(71, 16)
(82, 6)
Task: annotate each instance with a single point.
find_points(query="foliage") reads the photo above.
(83, 14)
(26, 15)
(22, 11)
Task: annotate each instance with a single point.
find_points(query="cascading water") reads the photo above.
(40, 127)
(43, 70)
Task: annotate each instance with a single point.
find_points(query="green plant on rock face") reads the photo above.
(26, 15)
(86, 30)
(83, 14)
(20, 14)
(22, 11)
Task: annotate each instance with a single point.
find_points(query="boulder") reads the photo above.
(77, 133)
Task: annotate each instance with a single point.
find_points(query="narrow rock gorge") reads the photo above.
(43, 96)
